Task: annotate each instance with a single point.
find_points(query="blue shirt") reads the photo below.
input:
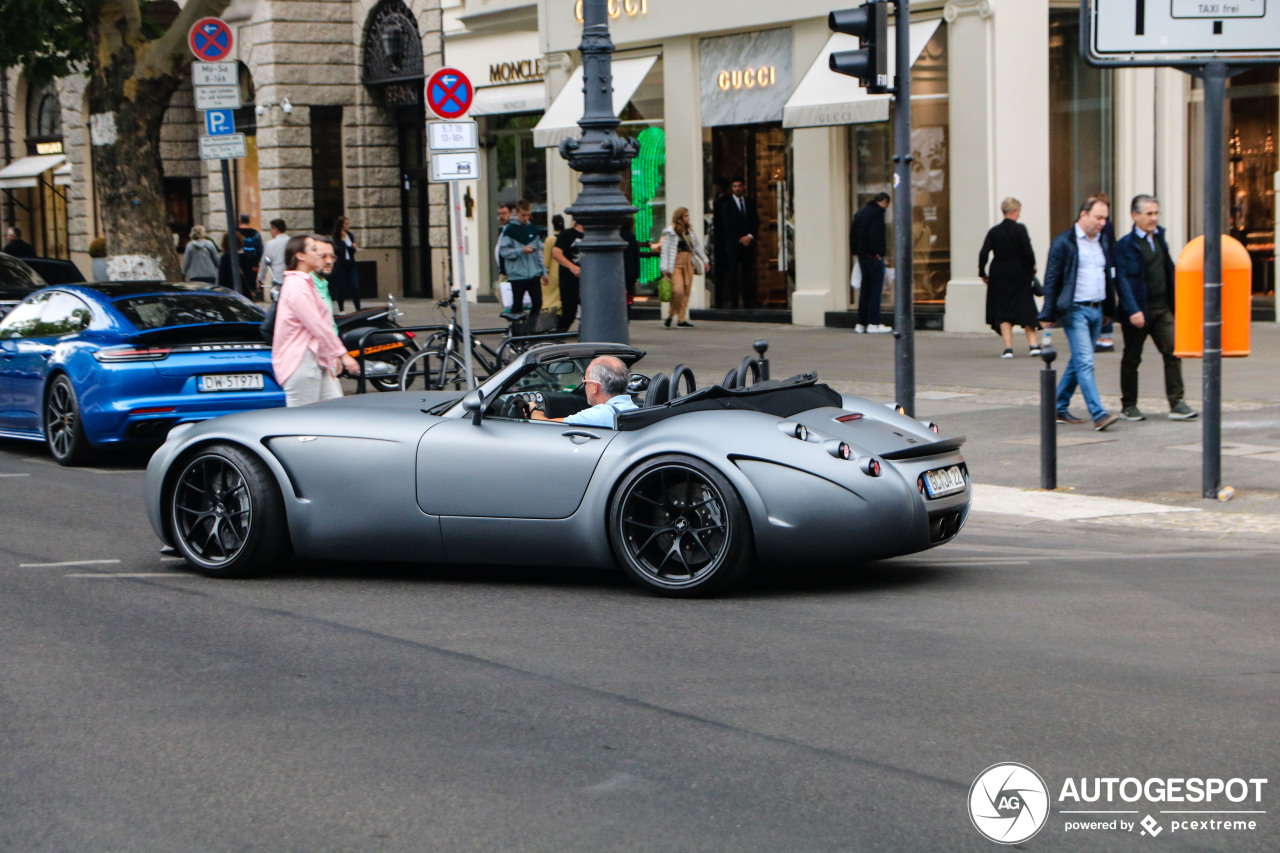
(602, 414)
(1091, 274)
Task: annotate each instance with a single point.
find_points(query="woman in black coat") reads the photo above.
(1009, 299)
(344, 282)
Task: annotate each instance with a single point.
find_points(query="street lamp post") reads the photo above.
(600, 155)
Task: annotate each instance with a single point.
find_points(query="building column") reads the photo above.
(822, 224)
(1135, 141)
(999, 107)
(1169, 143)
(682, 125)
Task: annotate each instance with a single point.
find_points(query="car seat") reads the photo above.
(659, 391)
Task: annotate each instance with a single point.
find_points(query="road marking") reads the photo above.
(1060, 506)
(67, 563)
(15, 475)
(127, 575)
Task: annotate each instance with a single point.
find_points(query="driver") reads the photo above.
(606, 381)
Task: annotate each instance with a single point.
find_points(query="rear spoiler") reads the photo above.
(934, 448)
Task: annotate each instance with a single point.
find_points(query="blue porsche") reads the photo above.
(94, 366)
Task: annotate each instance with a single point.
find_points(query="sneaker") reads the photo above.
(1132, 413)
(1034, 351)
(1008, 353)
(1104, 346)
(1065, 417)
(1180, 411)
(878, 329)
(667, 322)
(684, 324)
(859, 329)
(1105, 421)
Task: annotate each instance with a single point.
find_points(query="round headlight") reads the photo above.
(802, 432)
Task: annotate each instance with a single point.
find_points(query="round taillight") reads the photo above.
(802, 432)
(845, 452)
(871, 466)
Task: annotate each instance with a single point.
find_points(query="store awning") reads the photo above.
(26, 171)
(62, 175)
(826, 98)
(516, 98)
(561, 119)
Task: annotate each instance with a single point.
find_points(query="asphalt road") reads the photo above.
(387, 708)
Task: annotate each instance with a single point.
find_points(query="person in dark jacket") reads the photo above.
(224, 266)
(736, 226)
(16, 246)
(1009, 299)
(345, 281)
(1079, 292)
(1144, 285)
(867, 241)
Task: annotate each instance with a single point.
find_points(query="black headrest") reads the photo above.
(659, 391)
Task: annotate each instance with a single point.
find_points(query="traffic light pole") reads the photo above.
(904, 369)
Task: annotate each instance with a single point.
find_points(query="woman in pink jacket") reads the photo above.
(306, 354)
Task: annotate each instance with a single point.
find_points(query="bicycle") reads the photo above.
(440, 365)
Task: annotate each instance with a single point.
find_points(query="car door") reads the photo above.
(17, 330)
(507, 468)
(61, 314)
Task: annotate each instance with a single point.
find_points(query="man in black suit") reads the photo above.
(867, 241)
(736, 226)
(15, 245)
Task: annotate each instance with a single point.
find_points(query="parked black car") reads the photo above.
(56, 270)
(17, 281)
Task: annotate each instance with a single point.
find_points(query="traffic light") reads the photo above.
(869, 22)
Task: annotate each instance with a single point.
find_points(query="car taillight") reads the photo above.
(802, 432)
(871, 466)
(153, 410)
(852, 416)
(840, 450)
(930, 426)
(132, 354)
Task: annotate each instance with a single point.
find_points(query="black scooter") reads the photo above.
(384, 353)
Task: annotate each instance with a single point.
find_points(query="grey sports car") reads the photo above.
(685, 495)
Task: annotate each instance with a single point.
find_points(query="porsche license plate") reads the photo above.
(944, 481)
(230, 382)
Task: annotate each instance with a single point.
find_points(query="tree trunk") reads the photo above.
(132, 78)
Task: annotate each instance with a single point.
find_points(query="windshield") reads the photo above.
(162, 310)
(558, 377)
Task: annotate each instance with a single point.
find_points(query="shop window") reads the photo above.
(1253, 104)
(1081, 121)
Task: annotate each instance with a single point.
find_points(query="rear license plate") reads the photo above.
(944, 481)
(230, 382)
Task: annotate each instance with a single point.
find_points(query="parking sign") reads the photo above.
(219, 122)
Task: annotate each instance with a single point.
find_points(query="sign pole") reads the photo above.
(233, 244)
(1215, 86)
(464, 316)
(904, 372)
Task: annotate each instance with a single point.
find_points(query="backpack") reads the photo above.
(253, 247)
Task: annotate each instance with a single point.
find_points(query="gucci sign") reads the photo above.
(750, 78)
(617, 8)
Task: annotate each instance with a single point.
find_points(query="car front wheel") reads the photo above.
(226, 514)
(679, 529)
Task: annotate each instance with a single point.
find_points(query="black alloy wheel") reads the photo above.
(63, 427)
(678, 528)
(225, 513)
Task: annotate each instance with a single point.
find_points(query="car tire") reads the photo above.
(225, 513)
(63, 425)
(679, 529)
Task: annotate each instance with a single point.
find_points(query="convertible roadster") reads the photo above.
(686, 494)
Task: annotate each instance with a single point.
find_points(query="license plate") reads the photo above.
(944, 481)
(230, 382)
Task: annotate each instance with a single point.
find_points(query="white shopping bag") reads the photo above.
(855, 277)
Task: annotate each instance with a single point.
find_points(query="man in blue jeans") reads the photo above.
(1079, 291)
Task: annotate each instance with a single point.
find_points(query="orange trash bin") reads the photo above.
(1188, 309)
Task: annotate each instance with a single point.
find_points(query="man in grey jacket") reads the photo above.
(520, 247)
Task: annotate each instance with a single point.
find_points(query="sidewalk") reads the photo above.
(966, 388)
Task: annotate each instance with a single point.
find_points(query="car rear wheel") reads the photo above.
(63, 427)
(226, 514)
(678, 528)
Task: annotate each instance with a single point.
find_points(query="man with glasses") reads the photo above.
(606, 386)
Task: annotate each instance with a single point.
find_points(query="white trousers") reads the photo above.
(310, 383)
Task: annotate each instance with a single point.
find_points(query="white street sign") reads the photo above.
(214, 74)
(217, 97)
(1183, 31)
(229, 147)
(452, 136)
(456, 166)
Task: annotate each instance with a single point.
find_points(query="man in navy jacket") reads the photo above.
(1145, 287)
(1079, 291)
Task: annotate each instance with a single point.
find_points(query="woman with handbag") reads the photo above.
(682, 258)
(1013, 271)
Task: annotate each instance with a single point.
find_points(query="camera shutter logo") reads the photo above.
(1008, 803)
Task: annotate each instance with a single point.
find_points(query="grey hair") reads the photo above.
(1140, 200)
(1009, 205)
(611, 373)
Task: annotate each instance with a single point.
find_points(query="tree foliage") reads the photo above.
(47, 38)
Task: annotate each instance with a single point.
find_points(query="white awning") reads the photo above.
(561, 119)
(516, 98)
(62, 175)
(26, 172)
(826, 98)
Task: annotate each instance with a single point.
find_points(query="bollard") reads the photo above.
(1048, 419)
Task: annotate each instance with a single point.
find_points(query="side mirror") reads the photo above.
(473, 404)
(638, 383)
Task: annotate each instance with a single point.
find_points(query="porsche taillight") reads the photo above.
(132, 354)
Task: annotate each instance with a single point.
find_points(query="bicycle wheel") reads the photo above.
(436, 370)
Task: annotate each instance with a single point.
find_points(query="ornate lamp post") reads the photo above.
(600, 155)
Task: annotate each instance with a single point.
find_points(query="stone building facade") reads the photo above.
(333, 128)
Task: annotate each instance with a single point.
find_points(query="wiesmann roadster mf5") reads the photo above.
(685, 495)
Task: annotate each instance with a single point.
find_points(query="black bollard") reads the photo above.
(1048, 420)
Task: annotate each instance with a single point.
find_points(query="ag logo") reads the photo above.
(1008, 803)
